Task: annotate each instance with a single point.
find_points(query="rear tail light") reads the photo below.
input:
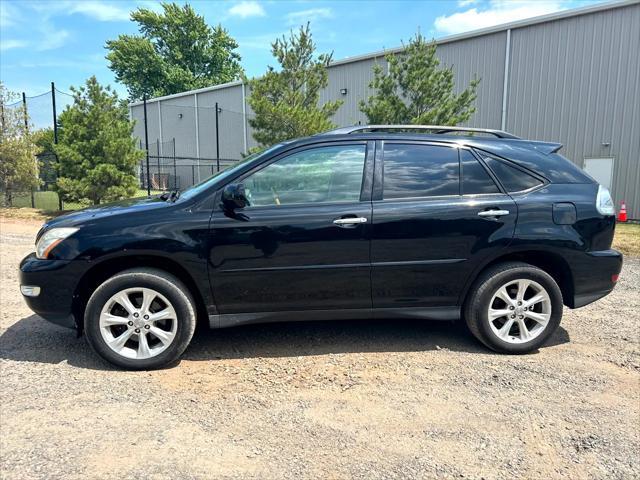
(604, 202)
(614, 277)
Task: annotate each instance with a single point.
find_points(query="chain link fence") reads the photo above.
(171, 165)
(169, 171)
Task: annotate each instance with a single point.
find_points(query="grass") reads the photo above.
(626, 240)
(48, 201)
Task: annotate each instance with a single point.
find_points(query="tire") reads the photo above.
(116, 315)
(501, 323)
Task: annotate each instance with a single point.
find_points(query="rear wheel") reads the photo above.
(140, 319)
(514, 308)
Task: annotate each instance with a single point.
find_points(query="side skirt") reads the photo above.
(225, 320)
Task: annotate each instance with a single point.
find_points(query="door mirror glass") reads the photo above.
(234, 196)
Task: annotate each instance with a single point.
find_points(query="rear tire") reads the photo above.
(140, 319)
(514, 308)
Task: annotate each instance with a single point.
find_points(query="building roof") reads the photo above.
(574, 12)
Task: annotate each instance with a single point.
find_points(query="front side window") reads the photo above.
(420, 171)
(513, 179)
(324, 174)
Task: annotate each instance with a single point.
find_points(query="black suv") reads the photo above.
(361, 222)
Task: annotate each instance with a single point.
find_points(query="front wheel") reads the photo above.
(140, 319)
(514, 308)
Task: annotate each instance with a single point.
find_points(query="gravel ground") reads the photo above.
(374, 400)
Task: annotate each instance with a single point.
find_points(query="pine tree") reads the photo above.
(96, 152)
(285, 101)
(416, 91)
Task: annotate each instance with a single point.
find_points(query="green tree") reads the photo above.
(18, 164)
(176, 51)
(96, 152)
(285, 101)
(415, 91)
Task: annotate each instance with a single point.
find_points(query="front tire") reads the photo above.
(140, 319)
(514, 308)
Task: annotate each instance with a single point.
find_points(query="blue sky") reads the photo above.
(63, 41)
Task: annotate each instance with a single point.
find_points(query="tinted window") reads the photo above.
(475, 179)
(326, 174)
(420, 171)
(513, 179)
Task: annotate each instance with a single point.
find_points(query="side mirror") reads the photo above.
(234, 196)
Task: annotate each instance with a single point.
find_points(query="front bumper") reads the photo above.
(58, 280)
(593, 275)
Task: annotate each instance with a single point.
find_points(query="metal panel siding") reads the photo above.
(137, 114)
(575, 81)
(480, 57)
(229, 121)
(355, 77)
(183, 129)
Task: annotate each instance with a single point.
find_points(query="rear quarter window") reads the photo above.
(512, 178)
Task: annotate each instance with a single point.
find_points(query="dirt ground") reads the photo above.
(331, 400)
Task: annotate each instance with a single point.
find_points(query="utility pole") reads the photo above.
(26, 117)
(146, 144)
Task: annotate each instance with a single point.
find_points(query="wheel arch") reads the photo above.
(550, 262)
(105, 269)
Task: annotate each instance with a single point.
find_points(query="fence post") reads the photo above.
(26, 132)
(217, 139)
(146, 143)
(175, 171)
(55, 135)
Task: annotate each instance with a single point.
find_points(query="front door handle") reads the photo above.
(350, 221)
(493, 213)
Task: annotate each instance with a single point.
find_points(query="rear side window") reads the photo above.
(475, 179)
(513, 179)
(420, 171)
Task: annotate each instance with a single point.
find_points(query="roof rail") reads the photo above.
(436, 129)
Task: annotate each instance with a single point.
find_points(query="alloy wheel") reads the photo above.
(138, 323)
(519, 311)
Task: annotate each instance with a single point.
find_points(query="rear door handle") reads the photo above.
(350, 221)
(493, 213)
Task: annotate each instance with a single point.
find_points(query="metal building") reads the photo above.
(571, 77)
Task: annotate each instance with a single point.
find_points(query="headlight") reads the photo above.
(50, 239)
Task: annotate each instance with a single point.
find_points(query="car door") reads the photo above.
(431, 229)
(303, 242)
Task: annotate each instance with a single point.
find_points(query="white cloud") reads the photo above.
(11, 44)
(52, 39)
(498, 12)
(246, 9)
(311, 15)
(8, 15)
(102, 11)
(466, 3)
(97, 10)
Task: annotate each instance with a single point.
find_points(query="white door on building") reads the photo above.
(601, 169)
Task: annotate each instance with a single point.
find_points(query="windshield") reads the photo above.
(222, 174)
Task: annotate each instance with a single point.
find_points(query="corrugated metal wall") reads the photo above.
(575, 80)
